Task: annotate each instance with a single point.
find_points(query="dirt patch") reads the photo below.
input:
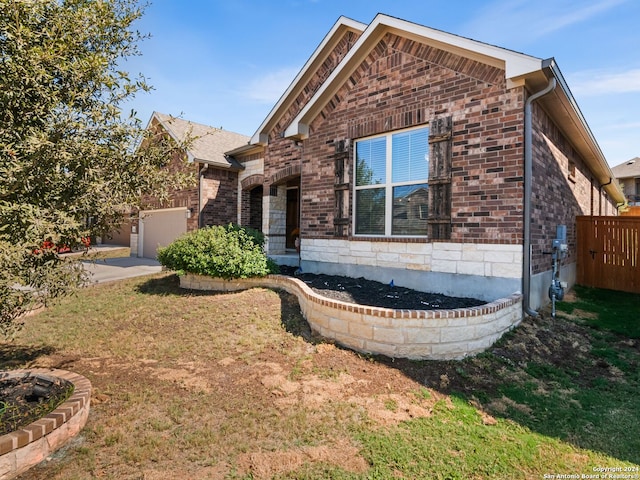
(323, 386)
(266, 465)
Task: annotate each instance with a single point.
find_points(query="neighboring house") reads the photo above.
(628, 176)
(212, 200)
(487, 143)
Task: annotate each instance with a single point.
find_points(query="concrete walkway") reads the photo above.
(112, 269)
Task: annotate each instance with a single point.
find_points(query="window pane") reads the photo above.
(410, 205)
(410, 152)
(371, 161)
(370, 211)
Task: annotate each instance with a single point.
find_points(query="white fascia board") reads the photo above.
(515, 64)
(298, 130)
(154, 114)
(166, 126)
(260, 136)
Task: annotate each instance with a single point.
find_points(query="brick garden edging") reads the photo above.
(28, 446)
(414, 334)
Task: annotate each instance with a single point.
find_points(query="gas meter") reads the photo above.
(559, 250)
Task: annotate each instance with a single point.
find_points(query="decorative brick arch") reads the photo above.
(252, 181)
(292, 171)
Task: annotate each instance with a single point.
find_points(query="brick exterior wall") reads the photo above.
(251, 208)
(219, 200)
(281, 153)
(212, 199)
(219, 197)
(251, 191)
(315, 82)
(562, 188)
(405, 84)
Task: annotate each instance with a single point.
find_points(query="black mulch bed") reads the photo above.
(376, 294)
(27, 398)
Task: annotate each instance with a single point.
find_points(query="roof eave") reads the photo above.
(564, 109)
(343, 24)
(247, 149)
(230, 163)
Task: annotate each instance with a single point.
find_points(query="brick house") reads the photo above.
(212, 200)
(407, 153)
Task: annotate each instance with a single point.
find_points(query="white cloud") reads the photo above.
(576, 14)
(602, 83)
(269, 87)
(533, 19)
(623, 126)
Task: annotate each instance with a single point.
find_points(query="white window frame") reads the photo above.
(388, 185)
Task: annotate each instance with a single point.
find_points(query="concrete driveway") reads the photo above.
(111, 269)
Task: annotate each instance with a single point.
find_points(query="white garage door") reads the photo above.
(158, 228)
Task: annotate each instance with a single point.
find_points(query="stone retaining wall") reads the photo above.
(415, 334)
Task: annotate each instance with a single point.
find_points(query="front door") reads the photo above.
(293, 216)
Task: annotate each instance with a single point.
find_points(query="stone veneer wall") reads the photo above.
(479, 270)
(276, 219)
(415, 334)
(480, 259)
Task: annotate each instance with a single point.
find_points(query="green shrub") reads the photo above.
(227, 252)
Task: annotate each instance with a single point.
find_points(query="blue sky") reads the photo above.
(225, 63)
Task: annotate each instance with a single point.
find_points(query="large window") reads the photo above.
(391, 190)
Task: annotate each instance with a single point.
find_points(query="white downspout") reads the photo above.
(528, 174)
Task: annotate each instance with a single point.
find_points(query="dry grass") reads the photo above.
(195, 383)
(229, 386)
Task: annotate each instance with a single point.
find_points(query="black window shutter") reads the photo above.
(440, 133)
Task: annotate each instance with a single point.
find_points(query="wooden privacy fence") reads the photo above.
(609, 253)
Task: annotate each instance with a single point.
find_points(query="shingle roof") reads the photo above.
(209, 144)
(630, 168)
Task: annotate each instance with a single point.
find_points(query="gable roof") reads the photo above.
(209, 144)
(628, 169)
(515, 64)
(523, 70)
(342, 26)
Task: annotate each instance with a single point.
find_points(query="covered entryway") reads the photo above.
(158, 228)
(293, 215)
(283, 211)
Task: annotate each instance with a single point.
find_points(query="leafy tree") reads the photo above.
(70, 160)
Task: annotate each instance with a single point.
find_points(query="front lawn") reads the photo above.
(233, 386)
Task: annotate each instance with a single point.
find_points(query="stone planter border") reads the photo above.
(414, 334)
(28, 446)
